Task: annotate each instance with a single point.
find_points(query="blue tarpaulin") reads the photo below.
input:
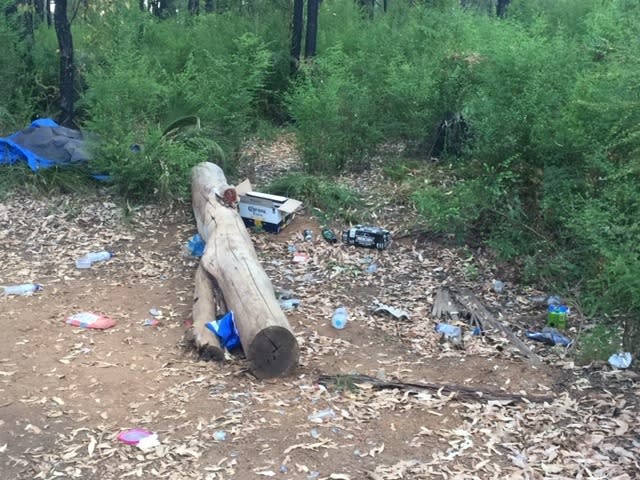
(44, 144)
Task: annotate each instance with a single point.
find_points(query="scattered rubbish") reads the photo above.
(87, 260)
(291, 248)
(220, 436)
(283, 468)
(372, 268)
(269, 212)
(139, 437)
(313, 475)
(395, 312)
(315, 433)
(289, 303)
(283, 294)
(557, 316)
(319, 416)
(308, 235)
(90, 320)
(328, 235)
(477, 331)
(300, 257)
(151, 322)
(621, 360)
(451, 332)
(24, 289)
(498, 286)
(225, 329)
(154, 312)
(553, 300)
(195, 246)
(549, 336)
(545, 299)
(339, 318)
(367, 236)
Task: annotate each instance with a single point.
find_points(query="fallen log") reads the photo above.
(207, 303)
(460, 391)
(229, 257)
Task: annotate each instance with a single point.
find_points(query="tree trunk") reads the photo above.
(207, 304)
(296, 34)
(312, 28)
(194, 7)
(229, 257)
(209, 6)
(501, 7)
(65, 44)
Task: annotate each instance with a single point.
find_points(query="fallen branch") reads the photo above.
(462, 392)
(464, 303)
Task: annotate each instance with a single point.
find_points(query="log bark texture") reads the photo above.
(207, 303)
(229, 257)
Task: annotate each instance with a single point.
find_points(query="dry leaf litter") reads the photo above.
(66, 393)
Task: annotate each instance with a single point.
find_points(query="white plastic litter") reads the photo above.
(621, 360)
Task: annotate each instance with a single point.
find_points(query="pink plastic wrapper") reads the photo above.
(133, 436)
(91, 320)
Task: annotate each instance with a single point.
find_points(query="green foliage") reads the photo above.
(598, 343)
(330, 199)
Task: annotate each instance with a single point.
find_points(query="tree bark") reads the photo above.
(194, 7)
(207, 304)
(501, 7)
(229, 257)
(296, 34)
(67, 68)
(313, 6)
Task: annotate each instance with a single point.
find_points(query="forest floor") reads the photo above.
(67, 392)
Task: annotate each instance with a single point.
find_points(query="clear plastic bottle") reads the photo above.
(90, 258)
(23, 289)
(339, 319)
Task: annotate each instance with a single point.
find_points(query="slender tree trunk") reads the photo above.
(143, 7)
(209, 6)
(194, 7)
(501, 7)
(65, 44)
(384, 6)
(312, 28)
(296, 34)
(48, 12)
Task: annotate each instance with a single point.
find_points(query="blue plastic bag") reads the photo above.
(196, 245)
(225, 330)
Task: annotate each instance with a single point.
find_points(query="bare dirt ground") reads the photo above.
(66, 392)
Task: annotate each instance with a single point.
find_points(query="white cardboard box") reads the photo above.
(270, 212)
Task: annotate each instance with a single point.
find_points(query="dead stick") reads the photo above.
(460, 390)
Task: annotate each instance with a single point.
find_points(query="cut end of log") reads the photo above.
(273, 352)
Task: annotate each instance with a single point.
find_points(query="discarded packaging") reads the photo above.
(549, 336)
(195, 246)
(395, 312)
(300, 257)
(151, 322)
(90, 320)
(220, 436)
(289, 303)
(269, 212)
(308, 235)
(86, 261)
(557, 316)
(451, 332)
(329, 236)
(24, 290)
(134, 435)
(154, 312)
(621, 360)
(498, 286)
(339, 318)
(319, 416)
(225, 329)
(367, 236)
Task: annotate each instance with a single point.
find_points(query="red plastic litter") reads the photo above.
(133, 436)
(91, 320)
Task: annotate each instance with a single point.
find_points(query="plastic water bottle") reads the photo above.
(90, 258)
(24, 289)
(289, 303)
(451, 333)
(339, 319)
